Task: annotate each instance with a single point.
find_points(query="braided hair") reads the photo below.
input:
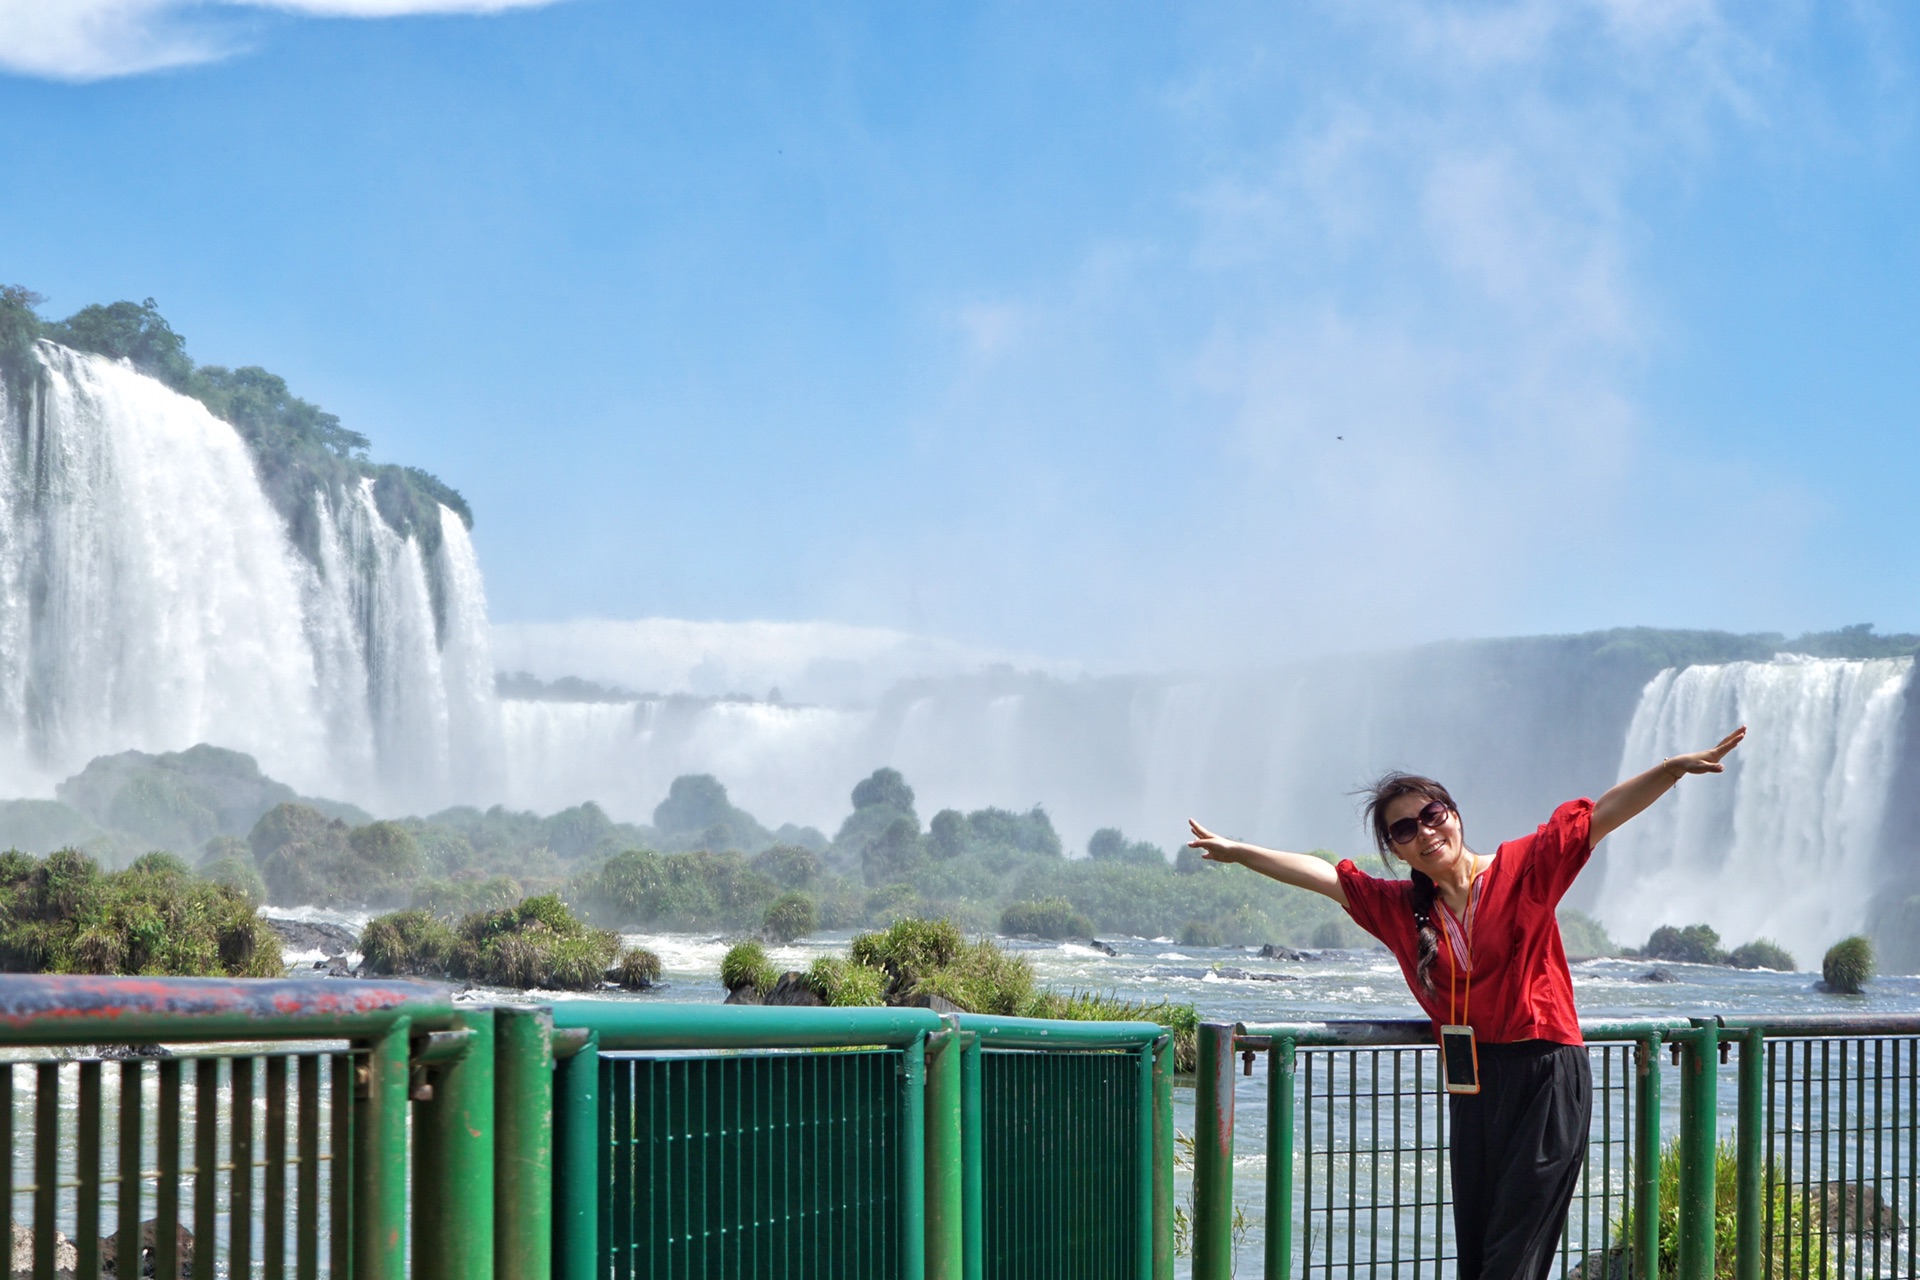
(1421, 898)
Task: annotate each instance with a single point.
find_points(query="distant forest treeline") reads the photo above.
(702, 864)
(298, 448)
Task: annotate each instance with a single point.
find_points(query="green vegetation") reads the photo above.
(1695, 944)
(63, 914)
(791, 916)
(299, 449)
(1789, 1210)
(1847, 965)
(1762, 953)
(841, 982)
(1700, 944)
(746, 965)
(914, 961)
(1584, 937)
(538, 943)
(1048, 918)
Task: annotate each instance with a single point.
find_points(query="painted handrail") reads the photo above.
(630, 1026)
(997, 1032)
(64, 1009)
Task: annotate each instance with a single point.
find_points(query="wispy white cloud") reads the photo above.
(99, 39)
(1403, 327)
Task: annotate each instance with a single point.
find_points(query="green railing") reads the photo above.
(716, 1141)
(1823, 1132)
(273, 1138)
(361, 1130)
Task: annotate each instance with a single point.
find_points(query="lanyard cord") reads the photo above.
(1453, 967)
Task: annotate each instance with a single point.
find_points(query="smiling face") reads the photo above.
(1433, 850)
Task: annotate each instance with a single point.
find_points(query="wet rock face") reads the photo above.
(110, 1253)
(65, 1259)
(312, 935)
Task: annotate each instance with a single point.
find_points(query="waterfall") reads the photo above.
(151, 598)
(1785, 845)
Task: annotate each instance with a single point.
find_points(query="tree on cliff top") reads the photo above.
(298, 448)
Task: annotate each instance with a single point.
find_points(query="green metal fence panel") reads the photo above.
(184, 1156)
(1839, 1180)
(762, 1166)
(1063, 1177)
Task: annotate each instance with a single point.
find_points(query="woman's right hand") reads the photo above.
(1212, 847)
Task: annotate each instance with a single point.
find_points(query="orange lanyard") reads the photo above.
(1453, 967)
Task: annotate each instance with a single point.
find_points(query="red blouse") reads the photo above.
(1521, 987)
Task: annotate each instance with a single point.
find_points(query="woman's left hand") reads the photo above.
(1706, 761)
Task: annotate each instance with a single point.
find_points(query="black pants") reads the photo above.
(1516, 1151)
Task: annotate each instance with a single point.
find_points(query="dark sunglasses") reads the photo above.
(1433, 817)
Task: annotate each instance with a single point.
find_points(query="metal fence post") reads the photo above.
(973, 1159)
(380, 1158)
(1143, 1159)
(1749, 1136)
(1279, 1159)
(1213, 1154)
(523, 1129)
(579, 1142)
(946, 1172)
(1163, 1145)
(1646, 1160)
(453, 1157)
(1699, 1131)
(913, 1156)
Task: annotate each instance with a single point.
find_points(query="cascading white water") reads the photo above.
(1784, 846)
(150, 598)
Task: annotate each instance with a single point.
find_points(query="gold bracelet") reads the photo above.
(1674, 777)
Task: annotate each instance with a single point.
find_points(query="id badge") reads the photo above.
(1460, 1059)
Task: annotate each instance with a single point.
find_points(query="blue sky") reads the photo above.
(1038, 328)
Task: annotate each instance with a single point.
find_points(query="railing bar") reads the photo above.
(306, 1217)
(1419, 1154)
(1399, 1057)
(87, 1175)
(127, 1192)
(206, 1120)
(273, 1220)
(166, 1232)
(46, 1167)
(1845, 1116)
(1306, 1060)
(1373, 1162)
(1353, 1165)
(1773, 1080)
(1878, 1121)
(240, 1176)
(343, 1072)
(1913, 1150)
(1807, 1131)
(6, 1158)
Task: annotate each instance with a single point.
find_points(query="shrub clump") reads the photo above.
(62, 914)
(639, 969)
(913, 959)
(841, 982)
(1848, 965)
(1761, 953)
(413, 942)
(1695, 944)
(746, 965)
(538, 943)
(791, 916)
(1205, 933)
(1047, 918)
